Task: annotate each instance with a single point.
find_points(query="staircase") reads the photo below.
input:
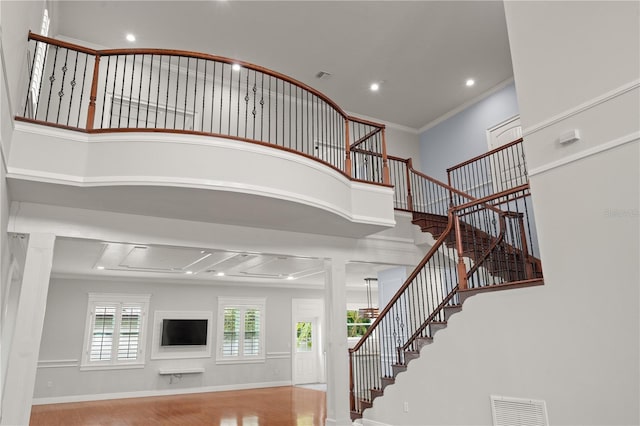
(481, 244)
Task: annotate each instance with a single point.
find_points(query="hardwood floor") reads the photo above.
(282, 406)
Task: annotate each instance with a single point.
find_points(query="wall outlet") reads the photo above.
(405, 407)
(49, 384)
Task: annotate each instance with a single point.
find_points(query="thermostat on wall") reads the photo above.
(568, 137)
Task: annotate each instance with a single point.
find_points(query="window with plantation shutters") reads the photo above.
(241, 330)
(115, 331)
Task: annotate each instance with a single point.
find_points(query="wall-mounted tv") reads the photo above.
(184, 332)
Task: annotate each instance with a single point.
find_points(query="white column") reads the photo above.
(23, 354)
(336, 341)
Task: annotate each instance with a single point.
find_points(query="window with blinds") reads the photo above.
(115, 328)
(241, 338)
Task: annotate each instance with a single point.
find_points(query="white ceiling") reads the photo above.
(105, 259)
(421, 51)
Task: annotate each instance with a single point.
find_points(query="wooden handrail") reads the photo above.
(198, 55)
(485, 200)
(365, 137)
(436, 246)
(452, 219)
(486, 154)
(60, 43)
(367, 122)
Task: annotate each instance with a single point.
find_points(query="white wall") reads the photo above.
(573, 342)
(403, 143)
(64, 332)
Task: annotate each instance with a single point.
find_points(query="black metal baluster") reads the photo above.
(290, 115)
(33, 64)
(246, 105)
(238, 102)
(195, 97)
(44, 67)
(175, 103)
(113, 91)
(155, 121)
(204, 94)
(52, 78)
(269, 102)
(255, 95)
(262, 106)
(276, 123)
(133, 73)
(61, 92)
(124, 74)
(146, 115)
(166, 105)
(186, 91)
(73, 87)
(213, 93)
(221, 94)
(140, 92)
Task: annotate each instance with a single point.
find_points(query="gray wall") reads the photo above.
(463, 136)
(403, 143)
(64, 332)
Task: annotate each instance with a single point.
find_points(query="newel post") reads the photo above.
(91, 113)
(386, 178)
(462, 270)
(409, 195)
(347, 159)
(352, 394)
(525, 249)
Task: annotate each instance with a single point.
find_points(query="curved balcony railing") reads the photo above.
(150, 90)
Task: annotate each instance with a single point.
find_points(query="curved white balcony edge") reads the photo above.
(242, 171)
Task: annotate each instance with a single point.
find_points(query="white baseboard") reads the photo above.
(367, 422)
(159, 392)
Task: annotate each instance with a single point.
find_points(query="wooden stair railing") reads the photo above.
(159, 90)
(481, 243)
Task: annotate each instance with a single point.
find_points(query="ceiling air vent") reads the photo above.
(323, 75)
(509, 411)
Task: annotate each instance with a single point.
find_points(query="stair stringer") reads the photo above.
(437, 377)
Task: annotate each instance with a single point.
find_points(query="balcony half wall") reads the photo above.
(192, 177)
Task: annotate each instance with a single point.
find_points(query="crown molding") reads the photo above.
(466, 105)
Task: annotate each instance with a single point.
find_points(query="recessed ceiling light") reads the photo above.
(100, 267)
(289, 277)
(189, 272)
(131, 37)
(374, 87)
(235, 67)
(470, 82)
(220, 274)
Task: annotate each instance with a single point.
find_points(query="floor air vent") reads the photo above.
(518, 412)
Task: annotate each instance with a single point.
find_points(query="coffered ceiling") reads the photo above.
(102, 259)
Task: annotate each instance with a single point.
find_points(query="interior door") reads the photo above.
(307, 351)
(506, 169)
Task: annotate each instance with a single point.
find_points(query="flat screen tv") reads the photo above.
(184, 332)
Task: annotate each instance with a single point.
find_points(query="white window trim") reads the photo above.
(242, 302)
(114, 298)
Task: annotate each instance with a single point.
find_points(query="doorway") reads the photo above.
(505, 174)
(307, 341)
